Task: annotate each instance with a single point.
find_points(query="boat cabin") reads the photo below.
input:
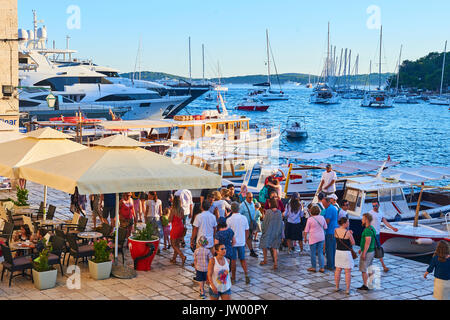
(361, 191)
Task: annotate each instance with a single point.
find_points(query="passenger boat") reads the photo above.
(252, 104)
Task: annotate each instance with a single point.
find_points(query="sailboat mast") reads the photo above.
(443, 68)
(379, 67)
(190, 62)
(203, 60)
(399, 64)
(349, 68)
(370, 72)
(268, 58)
(328, 54)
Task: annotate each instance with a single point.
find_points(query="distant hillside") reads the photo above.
(252, 79)
(424, 73)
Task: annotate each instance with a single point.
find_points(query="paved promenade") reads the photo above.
(171, 282)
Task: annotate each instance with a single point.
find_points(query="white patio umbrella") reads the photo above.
(117, 164)
(9, 132)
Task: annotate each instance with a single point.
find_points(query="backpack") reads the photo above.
(263, 194)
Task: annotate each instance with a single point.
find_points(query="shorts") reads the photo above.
(219, 294)
(365, 264)
(238, 252)
(201, 276)
(109, 212)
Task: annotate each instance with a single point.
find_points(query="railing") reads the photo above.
(447, 217)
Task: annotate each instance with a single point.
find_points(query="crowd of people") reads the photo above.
(225, 223)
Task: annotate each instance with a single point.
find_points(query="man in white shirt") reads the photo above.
(205, 224)
(187, 204)
(378, 217)
(239, 224)
(328, 181)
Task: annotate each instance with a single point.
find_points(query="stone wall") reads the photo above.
(9, 106)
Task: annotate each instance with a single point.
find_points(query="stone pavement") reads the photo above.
(171, 282)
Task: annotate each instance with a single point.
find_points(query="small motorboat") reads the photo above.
(252, 104)
(412, 241)
(296, 128)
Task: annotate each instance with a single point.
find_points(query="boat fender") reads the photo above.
(424, 241)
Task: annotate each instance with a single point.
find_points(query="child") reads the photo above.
(440, 264)
(166, 227)
(201, 262)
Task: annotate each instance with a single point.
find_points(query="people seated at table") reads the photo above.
(24, 234)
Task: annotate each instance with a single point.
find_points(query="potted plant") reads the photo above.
(100, 267)
(22, 199)
(143, 246)
(44, 276)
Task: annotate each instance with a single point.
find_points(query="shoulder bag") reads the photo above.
(354, 254)
(379, 251)
(253, 226)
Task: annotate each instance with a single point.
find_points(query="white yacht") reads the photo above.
(377, 99)
(78, 86)
(323, 94)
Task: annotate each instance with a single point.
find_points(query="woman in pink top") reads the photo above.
(315, 228)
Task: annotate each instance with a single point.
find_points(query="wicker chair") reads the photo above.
(11, 264)
(76, 251)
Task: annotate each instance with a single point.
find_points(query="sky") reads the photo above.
(233, 32)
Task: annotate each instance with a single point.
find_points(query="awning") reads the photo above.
(294, 155)
(350, 167)
(418, 175)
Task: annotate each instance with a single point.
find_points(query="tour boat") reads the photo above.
(252, 104)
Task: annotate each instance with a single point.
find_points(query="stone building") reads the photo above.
(9, 69)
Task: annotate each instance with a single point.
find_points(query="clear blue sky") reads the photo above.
(234, 32)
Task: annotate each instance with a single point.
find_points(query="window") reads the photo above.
(25, 103)
(109, 74)
(254, 178)
(58, 83)
(244, 125)
(129, 97)
(221, 128)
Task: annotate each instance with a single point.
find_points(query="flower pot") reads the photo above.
(140, 249)
(45, 280)
(100, 271)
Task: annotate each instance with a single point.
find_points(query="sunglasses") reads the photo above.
(222, 249)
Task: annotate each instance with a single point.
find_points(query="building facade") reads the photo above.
(9, 69)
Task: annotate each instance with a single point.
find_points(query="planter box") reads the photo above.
(100, 271)
(45, 280)
(140, 249)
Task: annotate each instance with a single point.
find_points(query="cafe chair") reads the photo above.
(58, 246)
(7, 232)
(11, 264)
(77, 228)
(76, 251)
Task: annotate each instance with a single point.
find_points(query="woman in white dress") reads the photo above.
(344, 258)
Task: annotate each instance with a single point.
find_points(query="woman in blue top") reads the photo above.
(226, 237)
(440, 264)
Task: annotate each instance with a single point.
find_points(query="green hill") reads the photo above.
(424, 73)
(252, 79)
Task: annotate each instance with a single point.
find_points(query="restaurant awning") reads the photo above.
(117, 164)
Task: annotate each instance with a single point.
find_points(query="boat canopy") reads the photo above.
(294, 155)
(418, 174)
(350, 167)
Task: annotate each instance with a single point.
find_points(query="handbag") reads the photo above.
(253, 226)
(379, 251)
(354, 254)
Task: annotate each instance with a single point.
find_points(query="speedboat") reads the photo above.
(252, 104)
(296, 129)
(269, 95)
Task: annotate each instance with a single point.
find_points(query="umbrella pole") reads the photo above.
(45, 202)
(116, 240)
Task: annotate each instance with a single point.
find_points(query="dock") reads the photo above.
(165, 281)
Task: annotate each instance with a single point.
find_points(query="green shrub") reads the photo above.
(149, 233)
(101, 251)
(40, 264)
(22, 197)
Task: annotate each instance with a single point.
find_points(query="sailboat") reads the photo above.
(443, 101)
(379, 98)
(309, 85)
(268, 94)
(323, 93)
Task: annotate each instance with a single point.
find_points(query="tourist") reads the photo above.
(274, 176)
(440, 264)
(274, 185)
(24, 234)
(243, 194)
(321, 198)
(187, 204)
(226, 237)
(178, 230)
(367, 250)
(343, 210)
(96, 209)
(239, 224)
(331, 217)
(280, 204)
(334, 199)
(204, 194)
(219, 207)
(219, 275)
(259, 216)
(225, 193)
(315, 231)
(272, 229)
(137, 206)
(126, 213)
(248, 210)
(344, 248)
(294, 227)
(377, 218)
(328, 181)
(154, 211)
(205, 224)
(201, 262)
(109, 208)
(233, 196)
(75, 203)
(166, 228)
(143, 198)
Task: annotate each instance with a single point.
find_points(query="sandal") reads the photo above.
(322, 270)
(183, 260)
(173, 261)
(275, 267)
(312, 270)
(263, 263)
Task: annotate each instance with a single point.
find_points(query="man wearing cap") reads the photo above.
(334, 198)
(331, 217)
(328, 181)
